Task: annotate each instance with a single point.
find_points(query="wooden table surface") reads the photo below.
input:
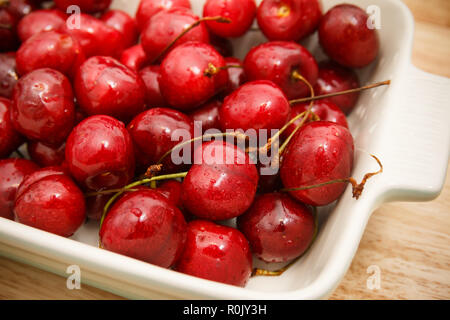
(409, 242)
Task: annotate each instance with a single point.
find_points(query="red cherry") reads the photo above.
(208, 115)
(12, 172)
(236, 76)
(89, 6)
(288, 20)
(334, 78)
(51, 49)
(270, 180)
(8, 74)
(8, 31)
(21, 8)
(320, 152)
(134, 58)
(99, 153)
(145, 225)
(172, 189)
(240, 12)
(39, 21)
(346, 38)
(148, 8)
(222, 182)
(183, 82)
(10, 139)
(277, 228)
(105, 86)
(222, 45)
(43, 107)
(37, 175)
(46, 156)
(165, 26)
(122, 22)
(277, 61)
(150, 76)
(216, 253)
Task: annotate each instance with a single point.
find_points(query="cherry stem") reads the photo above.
(192, 26)
(334, 94)
(4, 3)
(212, 70)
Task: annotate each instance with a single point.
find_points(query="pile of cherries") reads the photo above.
(96, 98)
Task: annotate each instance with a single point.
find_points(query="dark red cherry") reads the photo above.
(99, 153)
(44, 155)
(39, 21)
(346, 38)
(105, 86)
(321, 151)
(278, 61)
(145, 225)
(236, 76)
(335, 78)
(89, 6)
(240, 12)
(288, 20)
(172, 189)
(278, 228)
(183, 82)
(43, 107)
(21, 8)
(10, 139)
(122, 22)
(148, 8)
(150, 76)
(269, 177)
(165, 26)
(37, 175)
(222, 182)
(50, 49)
(134, 58)
(207, 115)
(216, 253)
(222, 45)
(8, 31)
(12, 172)
(8, 74)
(153, 132)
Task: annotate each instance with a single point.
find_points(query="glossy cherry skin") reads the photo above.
(8, 32)
(12, 172)
(221, 183)
(43, 107)
(183, 82)
(278, 228)
(151, 132)
(288, 20)
(10, 139)
(122, 22)
(216, 253)
(99, 153)
(37, 175)
(321, 151)
(240, 12)
(21, 8)
(39, 21)
(150, 76)
(46, 156)
(335, 78)
(276, 61)
(236, 76)
(89, 6)
(134, 58)
(324, 109)
(53, 203)
(165, 26)
(346, 38)
(50, 49)
(105, 86)
(172, 189)
(145, 225)
(8, 74)
(255, 105)
(148, 8)
(207, 116)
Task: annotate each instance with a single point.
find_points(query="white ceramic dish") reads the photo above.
(407, 125)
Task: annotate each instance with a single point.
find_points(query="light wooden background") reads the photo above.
(409, 242)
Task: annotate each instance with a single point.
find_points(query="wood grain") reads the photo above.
(409, 242)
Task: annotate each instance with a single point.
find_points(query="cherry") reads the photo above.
(150, 76)
(52, 203)
(8, 30)
(208, 115)
(320, 151)
(145, 225)
(172, 189)
(335, 78)
(216, 253)
(39, 21)
(236, 74)
(105, 86)
(21, 8)
(222, 45)
(10, 139)
(165, 26)
(44, 155)
(280, 62)
(8, 74)
(148, 8)
(122, 22)
(43, 107)
(240, 12)
(288, 20)
(134, 58)
(50, 49)
(151, 132)
(346, 38)
(278, 228)
(12, 172)
(37, 175)
(99, 153)
(89, 6)
(222, 182)
(183, 79)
